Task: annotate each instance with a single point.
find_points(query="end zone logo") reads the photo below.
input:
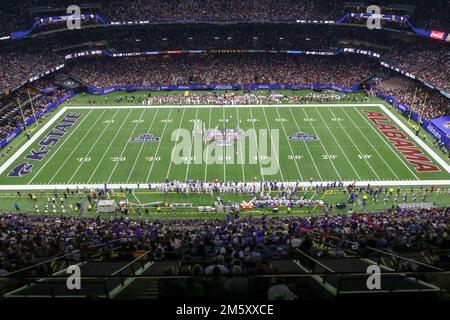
(45, 145)
(415, 156)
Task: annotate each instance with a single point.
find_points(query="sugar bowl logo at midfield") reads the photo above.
(145, 138)
(301, 136)
(45, 145)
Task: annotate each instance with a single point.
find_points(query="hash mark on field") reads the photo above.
(92, 147)
(142, 146)
(367, 161)
(207, 146)
(176, 141)
(321, 143)
(241, 151)
(107, 149)
(289, 144)
(365, 137)
(337, 143)
(306, 145)
(271, 141)
(192, 145)
(124, 148)
(257, 146)
(157, 148)
(390, 147)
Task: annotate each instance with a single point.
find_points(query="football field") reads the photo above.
(125, 145)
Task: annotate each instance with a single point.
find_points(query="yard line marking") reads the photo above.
(390, 147)
(321, 143)
(354, 144)
(157, 148)
(351, 165)
(242, 151)
(76, 147)
(92, 147)
(207, 146)
(276, 154)
(142, 146)
(257, 146)
(289, 144)
(306, 145)
(124, 148)
(192, 143)
(56, 151)
(176, 140)
(360, 131)
(109, 147)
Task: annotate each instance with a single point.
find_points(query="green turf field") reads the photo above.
(341, 144)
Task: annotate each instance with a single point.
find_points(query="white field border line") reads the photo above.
(402, 160)
(55, 151)
(289, 143)
(192, 145)
(355, 144)
(76, 147)
(109, 147)
(419, 141)
(126, 145)
(142, 146)
(371, 145)
(93, 146)
(306, 145)
(241, 151)
(385, 183)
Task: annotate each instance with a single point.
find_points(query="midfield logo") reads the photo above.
(145, 138)
(447, 124)
(301, 136)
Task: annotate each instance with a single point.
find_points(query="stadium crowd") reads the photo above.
(431, 104)
(24, 239)
(431, 64)
(12, 115)
(23, 66)
(345, 71)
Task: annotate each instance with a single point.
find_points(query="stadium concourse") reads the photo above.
(222, 150)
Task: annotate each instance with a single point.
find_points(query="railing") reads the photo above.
(250, 284)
